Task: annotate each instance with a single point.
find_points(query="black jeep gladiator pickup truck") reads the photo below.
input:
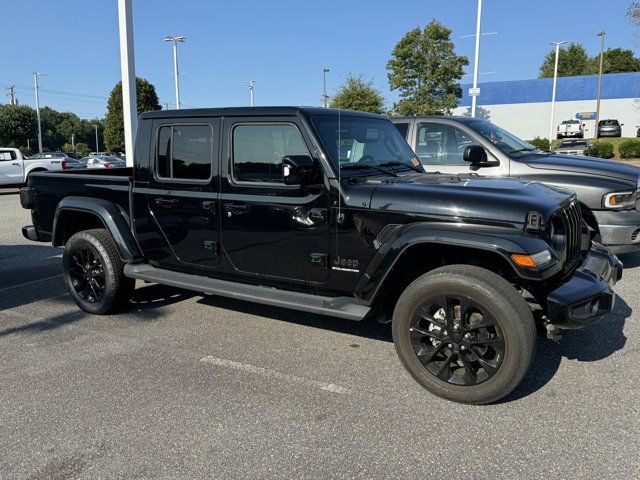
(330, 212)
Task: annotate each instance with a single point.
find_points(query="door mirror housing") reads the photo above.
(300, 170)
(476, 155)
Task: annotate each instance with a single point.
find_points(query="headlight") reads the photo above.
(620, 200)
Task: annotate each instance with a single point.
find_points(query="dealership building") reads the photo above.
(524, 106)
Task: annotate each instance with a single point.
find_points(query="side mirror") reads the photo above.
(300, 170)
(476, 156)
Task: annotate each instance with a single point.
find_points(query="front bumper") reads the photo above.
(587, 295)
(619, 230)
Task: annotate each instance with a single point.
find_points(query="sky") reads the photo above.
(281, 44)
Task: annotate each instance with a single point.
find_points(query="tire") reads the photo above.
(496, 329)
(93, 272)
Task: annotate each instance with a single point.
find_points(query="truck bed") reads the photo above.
(51, 187)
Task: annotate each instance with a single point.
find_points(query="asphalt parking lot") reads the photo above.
(189, 386)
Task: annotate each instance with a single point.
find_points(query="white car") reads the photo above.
(103, 161)
(15, 169)
(571, 128)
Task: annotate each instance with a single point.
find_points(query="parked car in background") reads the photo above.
(328, 211)
(573, 147)
(15, 168)
(607, 190)
(609, 128)
(570, 128)
(102, 161)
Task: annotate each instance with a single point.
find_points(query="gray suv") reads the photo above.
(607, 190)
(609, 128)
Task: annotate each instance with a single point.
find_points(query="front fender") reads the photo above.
(111, 216)
(499, 240)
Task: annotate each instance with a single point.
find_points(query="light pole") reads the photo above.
(553, 94)
(251, 83)
(602, 35)
(127, 67)
(474, 97)
(35, 81)
(325, 97)
(97, 146)
(73, 142)
(175, 41)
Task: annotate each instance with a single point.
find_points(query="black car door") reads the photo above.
(268, 228)
(183, 192)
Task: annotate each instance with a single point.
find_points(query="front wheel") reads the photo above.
(93, 272)
(464, 333)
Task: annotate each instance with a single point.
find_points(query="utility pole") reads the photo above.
(474, 96)
(10, 94)
(251, 83)
(73, 142)
(127, 67)
(97, 144)
(325, 97)
(553, 94)
(602, 35)
(176, 73)
(35, 81)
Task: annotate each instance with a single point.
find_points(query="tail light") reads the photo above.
(27, 199)
(64, 164)
(108, 165)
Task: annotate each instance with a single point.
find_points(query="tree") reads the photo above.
(358, 94)
(425, 69)
(147, 100)
(17, 124)
(572, 61)
(80, 148)
(616, 60)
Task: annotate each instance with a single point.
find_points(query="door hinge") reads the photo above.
(319, 259)
(210, 245)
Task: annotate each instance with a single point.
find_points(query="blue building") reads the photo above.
(524, 106)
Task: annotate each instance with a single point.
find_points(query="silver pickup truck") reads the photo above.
(15, 169)
(607, 190)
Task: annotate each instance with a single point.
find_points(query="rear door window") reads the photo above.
(185, 152)
(6, 155)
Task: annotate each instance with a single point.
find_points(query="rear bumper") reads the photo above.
(588, 294)
(30, 233)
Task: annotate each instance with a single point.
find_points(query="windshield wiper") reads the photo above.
(366, 166)
(526, 149)
(400, 164)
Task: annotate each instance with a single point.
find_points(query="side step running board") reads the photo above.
(342, 307)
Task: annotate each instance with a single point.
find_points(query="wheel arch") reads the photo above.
(75, 214)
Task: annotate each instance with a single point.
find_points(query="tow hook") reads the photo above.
(553, 333)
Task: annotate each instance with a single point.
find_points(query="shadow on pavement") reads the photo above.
(590, 344)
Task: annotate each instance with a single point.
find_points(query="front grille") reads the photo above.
(567, 232)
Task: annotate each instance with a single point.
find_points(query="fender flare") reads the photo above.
(111, 216)
(497, 240)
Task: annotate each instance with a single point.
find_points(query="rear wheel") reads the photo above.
(464, 333)
(93, 272)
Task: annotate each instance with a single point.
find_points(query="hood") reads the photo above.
(489, 200)
(586, 165)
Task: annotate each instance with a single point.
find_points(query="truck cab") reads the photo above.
(15, 168)
(329, 211)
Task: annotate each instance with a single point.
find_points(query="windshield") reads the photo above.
(506, 142)
(351, 141)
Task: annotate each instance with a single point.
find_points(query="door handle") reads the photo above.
(237, 208)
(167, 202)
(208, 206)
(16, 164)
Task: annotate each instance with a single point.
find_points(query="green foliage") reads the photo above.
(601, 149)
(572, 61)
(358, 94)
(79, 148)
(17, 124)
(616, 60)
(541, 143)
(629, 148)
(424, 68)
(147, 100)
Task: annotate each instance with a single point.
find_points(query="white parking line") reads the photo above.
(266, 372)
(33, 282)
